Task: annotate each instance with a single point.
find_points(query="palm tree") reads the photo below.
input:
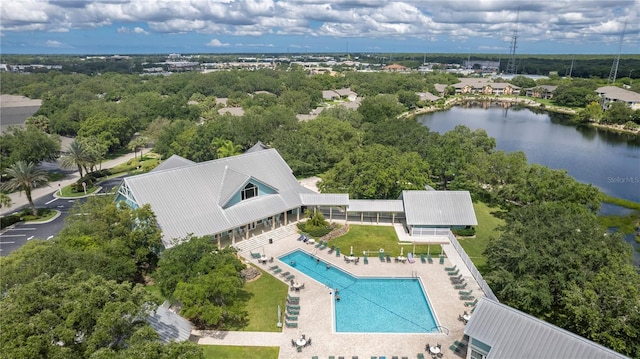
(25, 177)
(225, 148)
(77, 156)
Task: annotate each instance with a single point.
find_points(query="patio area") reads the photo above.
(315, 318)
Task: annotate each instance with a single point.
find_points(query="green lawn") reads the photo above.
(267, 292)
(373, 238)
(235, 352)
(485, 230)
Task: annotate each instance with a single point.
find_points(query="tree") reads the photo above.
(225, 148)
(376, 172)
(408, 98)
(523, 82)
(554, 261)
(40, 122)
(77, 156)
(618, 112)
(130, 237)
(375, 109)
(592, 112)
(206, 281)
(28, 145)
(5, 201)
(139, 142)
(25, 177)
(70, 316)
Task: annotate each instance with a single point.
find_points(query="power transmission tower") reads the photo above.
(614, 68)
(511, 65)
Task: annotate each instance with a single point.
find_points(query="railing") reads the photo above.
(472, 268)
(420, 231)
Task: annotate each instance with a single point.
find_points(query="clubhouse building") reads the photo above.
(235, 198)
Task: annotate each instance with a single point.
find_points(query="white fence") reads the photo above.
(472, 268)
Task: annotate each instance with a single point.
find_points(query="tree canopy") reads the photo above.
(205, 281)
(555, 262)
(29, 145)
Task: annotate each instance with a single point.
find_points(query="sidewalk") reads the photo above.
(18, 199)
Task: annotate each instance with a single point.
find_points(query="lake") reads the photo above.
(608, 160)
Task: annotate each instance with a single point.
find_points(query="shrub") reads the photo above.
(100, 173)
(315, 225)
(464, 232)
(9, 220)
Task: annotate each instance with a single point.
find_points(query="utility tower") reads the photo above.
(614, 68)
(511, 65)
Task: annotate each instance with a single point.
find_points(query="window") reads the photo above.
(250, 190)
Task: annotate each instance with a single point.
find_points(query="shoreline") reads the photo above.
(529, 103)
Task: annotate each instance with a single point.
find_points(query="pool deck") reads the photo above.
(315, 320)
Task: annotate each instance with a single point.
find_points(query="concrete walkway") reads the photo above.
(19, 200)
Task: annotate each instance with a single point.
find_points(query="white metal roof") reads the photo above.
(324, 199)
(172, 162)
(375, 205)
(514, 334)
(187, 200)
(169, 325)
(446, 208)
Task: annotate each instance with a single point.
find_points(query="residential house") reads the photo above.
(616, 94)
(542, 91)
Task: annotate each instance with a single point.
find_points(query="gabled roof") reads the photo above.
(514, 334)
(232, 182)
(186, 200)
(259, 146)
(439, 208)
(172, 162)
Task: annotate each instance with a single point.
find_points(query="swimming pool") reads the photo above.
(370, 304)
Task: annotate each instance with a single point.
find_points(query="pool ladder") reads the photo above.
(414, 274)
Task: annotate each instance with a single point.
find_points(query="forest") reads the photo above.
(572, 274)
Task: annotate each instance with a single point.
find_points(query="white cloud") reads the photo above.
(139, 30)
(217, 43)
(55, 44)
(594, 21)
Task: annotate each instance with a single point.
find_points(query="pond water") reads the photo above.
(608, 160)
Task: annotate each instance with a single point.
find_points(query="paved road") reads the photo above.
(15, 236)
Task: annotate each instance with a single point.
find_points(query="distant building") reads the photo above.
(481, 86)
(611, 94)
(395, 68)
(542, 91)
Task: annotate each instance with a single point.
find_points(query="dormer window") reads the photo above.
(250, 190)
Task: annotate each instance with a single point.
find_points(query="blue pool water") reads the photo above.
(367, 304)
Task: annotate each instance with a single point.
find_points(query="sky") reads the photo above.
(318, 26)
